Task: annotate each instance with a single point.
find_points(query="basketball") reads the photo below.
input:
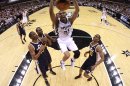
(62, 4)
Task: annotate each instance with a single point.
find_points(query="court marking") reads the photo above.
(60, 66)
(85, 31)
(110, 72)
(105, 29)
(16, 70)
(110, 28)
(19, 73)
(126, 52)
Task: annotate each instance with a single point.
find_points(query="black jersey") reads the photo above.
(92, 53)
(42, 59)
(36, 46)
(46, 52)
(91, 60)
(21, 29)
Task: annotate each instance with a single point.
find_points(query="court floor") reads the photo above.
(116, 38)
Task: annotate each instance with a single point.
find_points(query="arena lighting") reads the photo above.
(102, 45)
(25, 67)
(19, 80)
(109, 61)
(10, 1)
(20, 72)
(114, 73)
(117, 80)
(112, 68)
(104, 51)
(120, 84)
(23, 72)
(21, 77)
(28, 61)
(17, 84)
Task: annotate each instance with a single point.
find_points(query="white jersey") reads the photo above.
(104, 13)
(25, 20)
(64, 30)
(25, 14)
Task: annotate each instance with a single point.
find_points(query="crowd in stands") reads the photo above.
(10, 13)
(122, 8)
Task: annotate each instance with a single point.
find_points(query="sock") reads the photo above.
(73, 59)
(62, 62)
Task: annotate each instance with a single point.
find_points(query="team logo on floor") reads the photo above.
(127, 53)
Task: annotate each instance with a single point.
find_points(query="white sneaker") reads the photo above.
(72, 62)
(62, 64)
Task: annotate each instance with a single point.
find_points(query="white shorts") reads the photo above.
(67, 44)
(25, 20)
(104, 18)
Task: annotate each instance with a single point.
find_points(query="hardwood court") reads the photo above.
(116, 37)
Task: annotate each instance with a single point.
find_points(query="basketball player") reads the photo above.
(36, 49)
(21, 30)
(104, 16)
(24, 17)
(96, 56)
(46, 52)
(63, 26)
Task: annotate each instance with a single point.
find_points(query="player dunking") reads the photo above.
(93, 60)
(63, 26)
(21, 30)
(48, 41)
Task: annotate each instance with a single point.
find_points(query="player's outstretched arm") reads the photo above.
(51, 12)
(76, 12)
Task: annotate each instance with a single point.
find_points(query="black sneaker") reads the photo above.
(47, 83)
(22, 42)
(24, 39)
(89, 79)
(46, 75)
(52, 72)
(77, 77)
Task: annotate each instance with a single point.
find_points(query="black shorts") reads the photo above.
(47, 55)
(22, 32)
(87, 64)
(43, 68)
(43, 63)
(45, 58)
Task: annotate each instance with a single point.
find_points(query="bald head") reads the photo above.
(33, 35)
(97, 38)
(39, 31)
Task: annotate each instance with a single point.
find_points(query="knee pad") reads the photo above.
(76, 54)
